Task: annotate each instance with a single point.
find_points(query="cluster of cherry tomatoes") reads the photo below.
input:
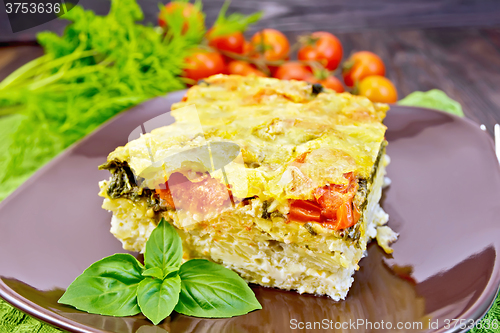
(266, 54)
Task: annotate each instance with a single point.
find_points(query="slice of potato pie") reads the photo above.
(278, 180)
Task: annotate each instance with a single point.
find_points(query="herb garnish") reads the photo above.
(100, 66)
(119, 285)
(227, 24)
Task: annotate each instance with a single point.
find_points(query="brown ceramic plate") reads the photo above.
(444, 201)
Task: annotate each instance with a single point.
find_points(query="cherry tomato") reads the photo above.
(247, 48)
(345, 218)
(360, 65)
(322, 47)
(185, 9)
(293, 71)
(305, 211)
(202, 64)
(243, 68)
(270, 43)
(378, 89)
(231, 43)
(331, 82)
(333, 206)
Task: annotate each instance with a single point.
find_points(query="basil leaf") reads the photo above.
(108, 287)
(157, 298)
(158, 273)
(155, 272)
(210, 290)
(434, 99)
(163, 248)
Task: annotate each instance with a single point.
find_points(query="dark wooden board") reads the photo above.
(463, 62)
(302, 15)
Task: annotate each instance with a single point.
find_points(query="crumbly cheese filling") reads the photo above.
(271, 252)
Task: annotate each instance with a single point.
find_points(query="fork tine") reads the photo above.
(497, 141)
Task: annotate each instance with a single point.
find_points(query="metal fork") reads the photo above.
(497, 141)
(496, 132)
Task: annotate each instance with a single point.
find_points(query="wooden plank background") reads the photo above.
(308, 15)
(452, 45)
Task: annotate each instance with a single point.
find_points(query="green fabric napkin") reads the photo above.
(15, 321)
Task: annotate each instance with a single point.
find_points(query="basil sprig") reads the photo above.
(119, 285)
(213, 291)
(107, 287)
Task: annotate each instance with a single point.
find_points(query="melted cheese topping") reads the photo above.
(274, 123)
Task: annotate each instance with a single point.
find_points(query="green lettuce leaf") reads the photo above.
(433, 99)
